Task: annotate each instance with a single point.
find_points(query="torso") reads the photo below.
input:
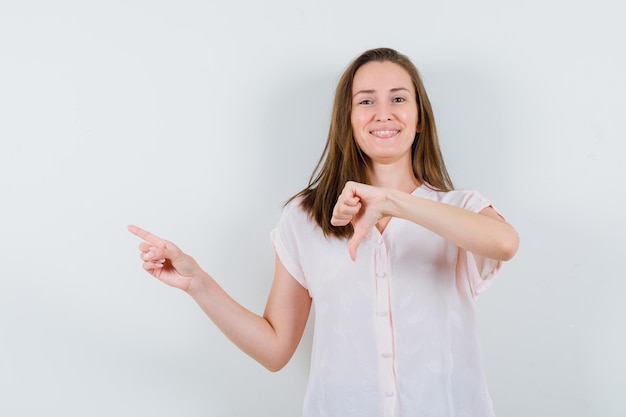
(395, 331)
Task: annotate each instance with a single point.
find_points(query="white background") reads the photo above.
(197, 119)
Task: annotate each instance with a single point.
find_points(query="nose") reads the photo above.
(383, 113)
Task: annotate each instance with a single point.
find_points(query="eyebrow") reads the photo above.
(393, 90)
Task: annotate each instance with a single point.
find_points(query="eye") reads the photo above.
(366, 101)
(399, 100)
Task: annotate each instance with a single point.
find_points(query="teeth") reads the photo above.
(384, 132)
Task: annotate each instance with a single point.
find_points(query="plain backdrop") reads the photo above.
(197, 119)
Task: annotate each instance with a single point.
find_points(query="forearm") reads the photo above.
(252, 333)
(483, 235)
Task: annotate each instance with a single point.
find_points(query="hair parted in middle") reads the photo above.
(343, 161)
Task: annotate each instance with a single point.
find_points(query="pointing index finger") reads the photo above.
(145, 235)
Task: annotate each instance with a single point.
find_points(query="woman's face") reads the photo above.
(384, 112)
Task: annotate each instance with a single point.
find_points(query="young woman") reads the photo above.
(391, 254)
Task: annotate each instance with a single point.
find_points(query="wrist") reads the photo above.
(199, 284)
(391, 203)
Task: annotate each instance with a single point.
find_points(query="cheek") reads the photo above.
(359, 125)
(354, 120)
(357, 135)
(416, 119)
(356, 124)
(411, 119)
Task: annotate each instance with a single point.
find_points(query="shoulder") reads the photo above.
(293, 207)
(468, 199)
(294, 212)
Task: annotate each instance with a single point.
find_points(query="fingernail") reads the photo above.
(148, 255)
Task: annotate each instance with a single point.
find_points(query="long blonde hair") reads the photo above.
(343, 161)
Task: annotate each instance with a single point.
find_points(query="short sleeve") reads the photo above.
(479, 270)
(285, 242)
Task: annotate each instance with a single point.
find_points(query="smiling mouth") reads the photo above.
(384, 133)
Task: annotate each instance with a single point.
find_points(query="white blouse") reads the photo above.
(395, 332)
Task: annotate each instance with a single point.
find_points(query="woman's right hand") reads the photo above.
(271, 338)
(165, 261)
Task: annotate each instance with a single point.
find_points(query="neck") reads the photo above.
(393, 176)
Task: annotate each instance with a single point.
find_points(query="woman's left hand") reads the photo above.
(362, 205)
